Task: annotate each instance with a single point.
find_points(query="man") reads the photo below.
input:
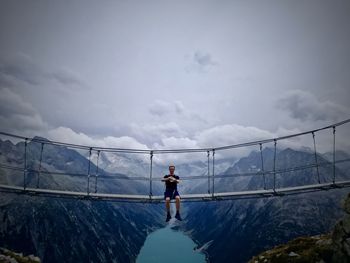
(171, 180)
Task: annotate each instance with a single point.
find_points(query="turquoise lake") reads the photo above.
(171, 246)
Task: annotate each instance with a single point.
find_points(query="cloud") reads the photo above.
(177, 158)
(155, 132)
(200, 62)
(203, 59)
(179, 107)
(21, 69)
(12, 103)
(173, 110)
(67, 77)
(304, 106)
(161, 107)
(176, 143)
(56, 93)
(229, 134)
(64, 134)
(18, 114)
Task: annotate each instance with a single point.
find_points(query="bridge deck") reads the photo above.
(184, 197)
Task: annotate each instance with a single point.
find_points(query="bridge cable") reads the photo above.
(40, 161)
(208, 156)
(262, 165)
(25, 164)
(150, 174)
(274, 166)
(88, 173)
(96, 174)
(333, 154)
(316, 161)
(213, 172)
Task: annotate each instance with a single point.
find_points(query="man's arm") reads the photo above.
(177, 180)
(166, 178)
(171, 179)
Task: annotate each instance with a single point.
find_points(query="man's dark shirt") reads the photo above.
(170, 186)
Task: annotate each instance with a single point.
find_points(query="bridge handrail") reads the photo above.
(184, 150)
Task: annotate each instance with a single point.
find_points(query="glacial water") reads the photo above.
(170, 246)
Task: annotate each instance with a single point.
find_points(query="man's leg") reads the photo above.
(167, 205)
(177, 216)
(177, 204)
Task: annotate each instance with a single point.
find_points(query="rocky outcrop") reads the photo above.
(302, 249)
(333, 247)
(8, 256)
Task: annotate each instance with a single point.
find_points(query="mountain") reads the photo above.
(70, 230)
(339, 155)
(239, 229)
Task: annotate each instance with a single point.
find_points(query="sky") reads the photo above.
(172, 74)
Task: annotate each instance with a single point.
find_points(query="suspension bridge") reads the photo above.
(210, 176)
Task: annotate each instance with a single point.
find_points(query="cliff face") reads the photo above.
(333, 247)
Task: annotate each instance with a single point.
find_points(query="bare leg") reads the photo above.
(177, 204)
(167, 204)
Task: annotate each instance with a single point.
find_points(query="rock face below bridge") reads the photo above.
(332, 247)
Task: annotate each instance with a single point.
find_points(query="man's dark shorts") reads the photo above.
(171, 193)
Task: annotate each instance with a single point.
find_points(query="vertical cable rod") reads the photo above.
(333, 154)
(96, 175)
(213, 173)
(262, 165)
(88, 174)
(274, 166)
(316, 160)
(150, 175)
(25, 164)
(208, 156)
(40, 161)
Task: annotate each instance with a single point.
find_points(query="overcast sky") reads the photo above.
(172, 74)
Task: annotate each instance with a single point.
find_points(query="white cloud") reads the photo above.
(155, 132)
(230, 134)
(64, 134)
(176, 143)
